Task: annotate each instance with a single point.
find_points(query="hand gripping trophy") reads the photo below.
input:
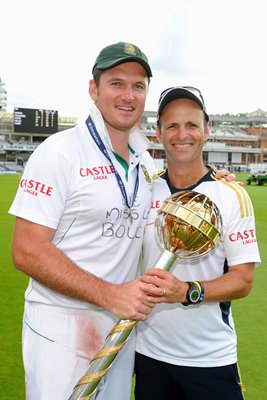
(188, 225)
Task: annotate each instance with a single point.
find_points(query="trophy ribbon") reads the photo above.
(188, 225)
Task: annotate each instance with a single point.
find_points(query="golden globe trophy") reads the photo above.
(188, 225)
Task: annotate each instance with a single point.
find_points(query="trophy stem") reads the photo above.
(166, 260)
(102, 361)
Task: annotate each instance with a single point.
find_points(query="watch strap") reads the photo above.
(194, 286)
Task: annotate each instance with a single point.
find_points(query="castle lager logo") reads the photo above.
(35, 187)
(247, 236)
(99, 172)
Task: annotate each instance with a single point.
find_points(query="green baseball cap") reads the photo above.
(120, 53)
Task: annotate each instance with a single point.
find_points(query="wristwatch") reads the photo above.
(195, 293)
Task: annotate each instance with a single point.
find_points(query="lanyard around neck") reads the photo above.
(95, 135)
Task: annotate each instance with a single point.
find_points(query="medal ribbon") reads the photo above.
(98, 141)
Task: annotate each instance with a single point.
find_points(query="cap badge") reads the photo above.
(129, 49)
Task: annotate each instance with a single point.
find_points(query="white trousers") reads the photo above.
(58, 344)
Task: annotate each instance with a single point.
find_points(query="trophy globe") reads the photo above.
(188, 225)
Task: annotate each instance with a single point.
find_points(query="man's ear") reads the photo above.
(206, 132)
(158, 135)
(93, 90)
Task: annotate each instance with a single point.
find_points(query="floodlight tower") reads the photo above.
(3, 96)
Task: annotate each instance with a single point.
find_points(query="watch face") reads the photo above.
(194, 295)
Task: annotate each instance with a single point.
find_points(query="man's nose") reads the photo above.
(128, 94)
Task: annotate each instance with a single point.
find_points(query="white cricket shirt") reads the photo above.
(70, 186)
(199, 335)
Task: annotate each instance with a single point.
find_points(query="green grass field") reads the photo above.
(250, 313)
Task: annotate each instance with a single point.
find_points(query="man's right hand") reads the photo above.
(129, 300)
